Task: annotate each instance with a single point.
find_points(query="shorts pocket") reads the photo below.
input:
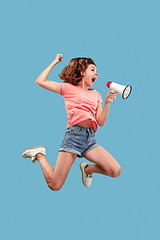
(73, 131)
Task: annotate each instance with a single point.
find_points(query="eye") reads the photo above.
(94, 70)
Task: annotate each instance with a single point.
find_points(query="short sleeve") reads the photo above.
(62, 89)
(99, 98)
(66, 89)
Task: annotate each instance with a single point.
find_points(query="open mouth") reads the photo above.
(93, 80)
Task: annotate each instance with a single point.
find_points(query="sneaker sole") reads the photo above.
(40, 146)
(81, 167)
(82, 172)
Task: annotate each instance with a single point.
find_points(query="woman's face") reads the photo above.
(90, 75)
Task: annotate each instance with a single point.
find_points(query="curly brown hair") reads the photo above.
(72, 72)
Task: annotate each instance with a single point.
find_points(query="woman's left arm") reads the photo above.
(101, 115)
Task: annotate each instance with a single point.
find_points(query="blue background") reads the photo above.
(123, 39)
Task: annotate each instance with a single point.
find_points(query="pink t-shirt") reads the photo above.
(80, 104)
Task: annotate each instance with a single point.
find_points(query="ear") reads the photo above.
(82, 74)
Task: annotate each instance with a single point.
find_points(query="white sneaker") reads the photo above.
(31, 152)
(87, 180)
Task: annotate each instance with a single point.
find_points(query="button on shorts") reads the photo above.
(79, 140)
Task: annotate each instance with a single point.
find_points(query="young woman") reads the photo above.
(84, 112)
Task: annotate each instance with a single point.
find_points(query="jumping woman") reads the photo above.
(84, 111)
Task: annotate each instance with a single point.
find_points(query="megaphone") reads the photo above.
(125, 91)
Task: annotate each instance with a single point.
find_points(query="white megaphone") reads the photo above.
(125, 91)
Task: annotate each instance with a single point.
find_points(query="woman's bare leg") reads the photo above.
(55, 178)
(104, 163)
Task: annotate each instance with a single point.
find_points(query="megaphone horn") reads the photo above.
(125, 91)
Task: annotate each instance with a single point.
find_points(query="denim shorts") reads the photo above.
(79, 140)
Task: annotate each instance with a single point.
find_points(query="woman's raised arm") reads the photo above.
(42, 79)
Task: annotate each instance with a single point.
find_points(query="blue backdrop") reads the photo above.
(123, 39)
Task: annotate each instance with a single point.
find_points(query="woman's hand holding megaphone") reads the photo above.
(111, 96)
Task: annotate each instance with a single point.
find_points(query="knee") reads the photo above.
(116, 172)
(54, 186)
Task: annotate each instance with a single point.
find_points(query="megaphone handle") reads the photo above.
(110, 99)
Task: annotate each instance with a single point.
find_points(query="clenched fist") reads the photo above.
(58, 58)
(111, 96)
